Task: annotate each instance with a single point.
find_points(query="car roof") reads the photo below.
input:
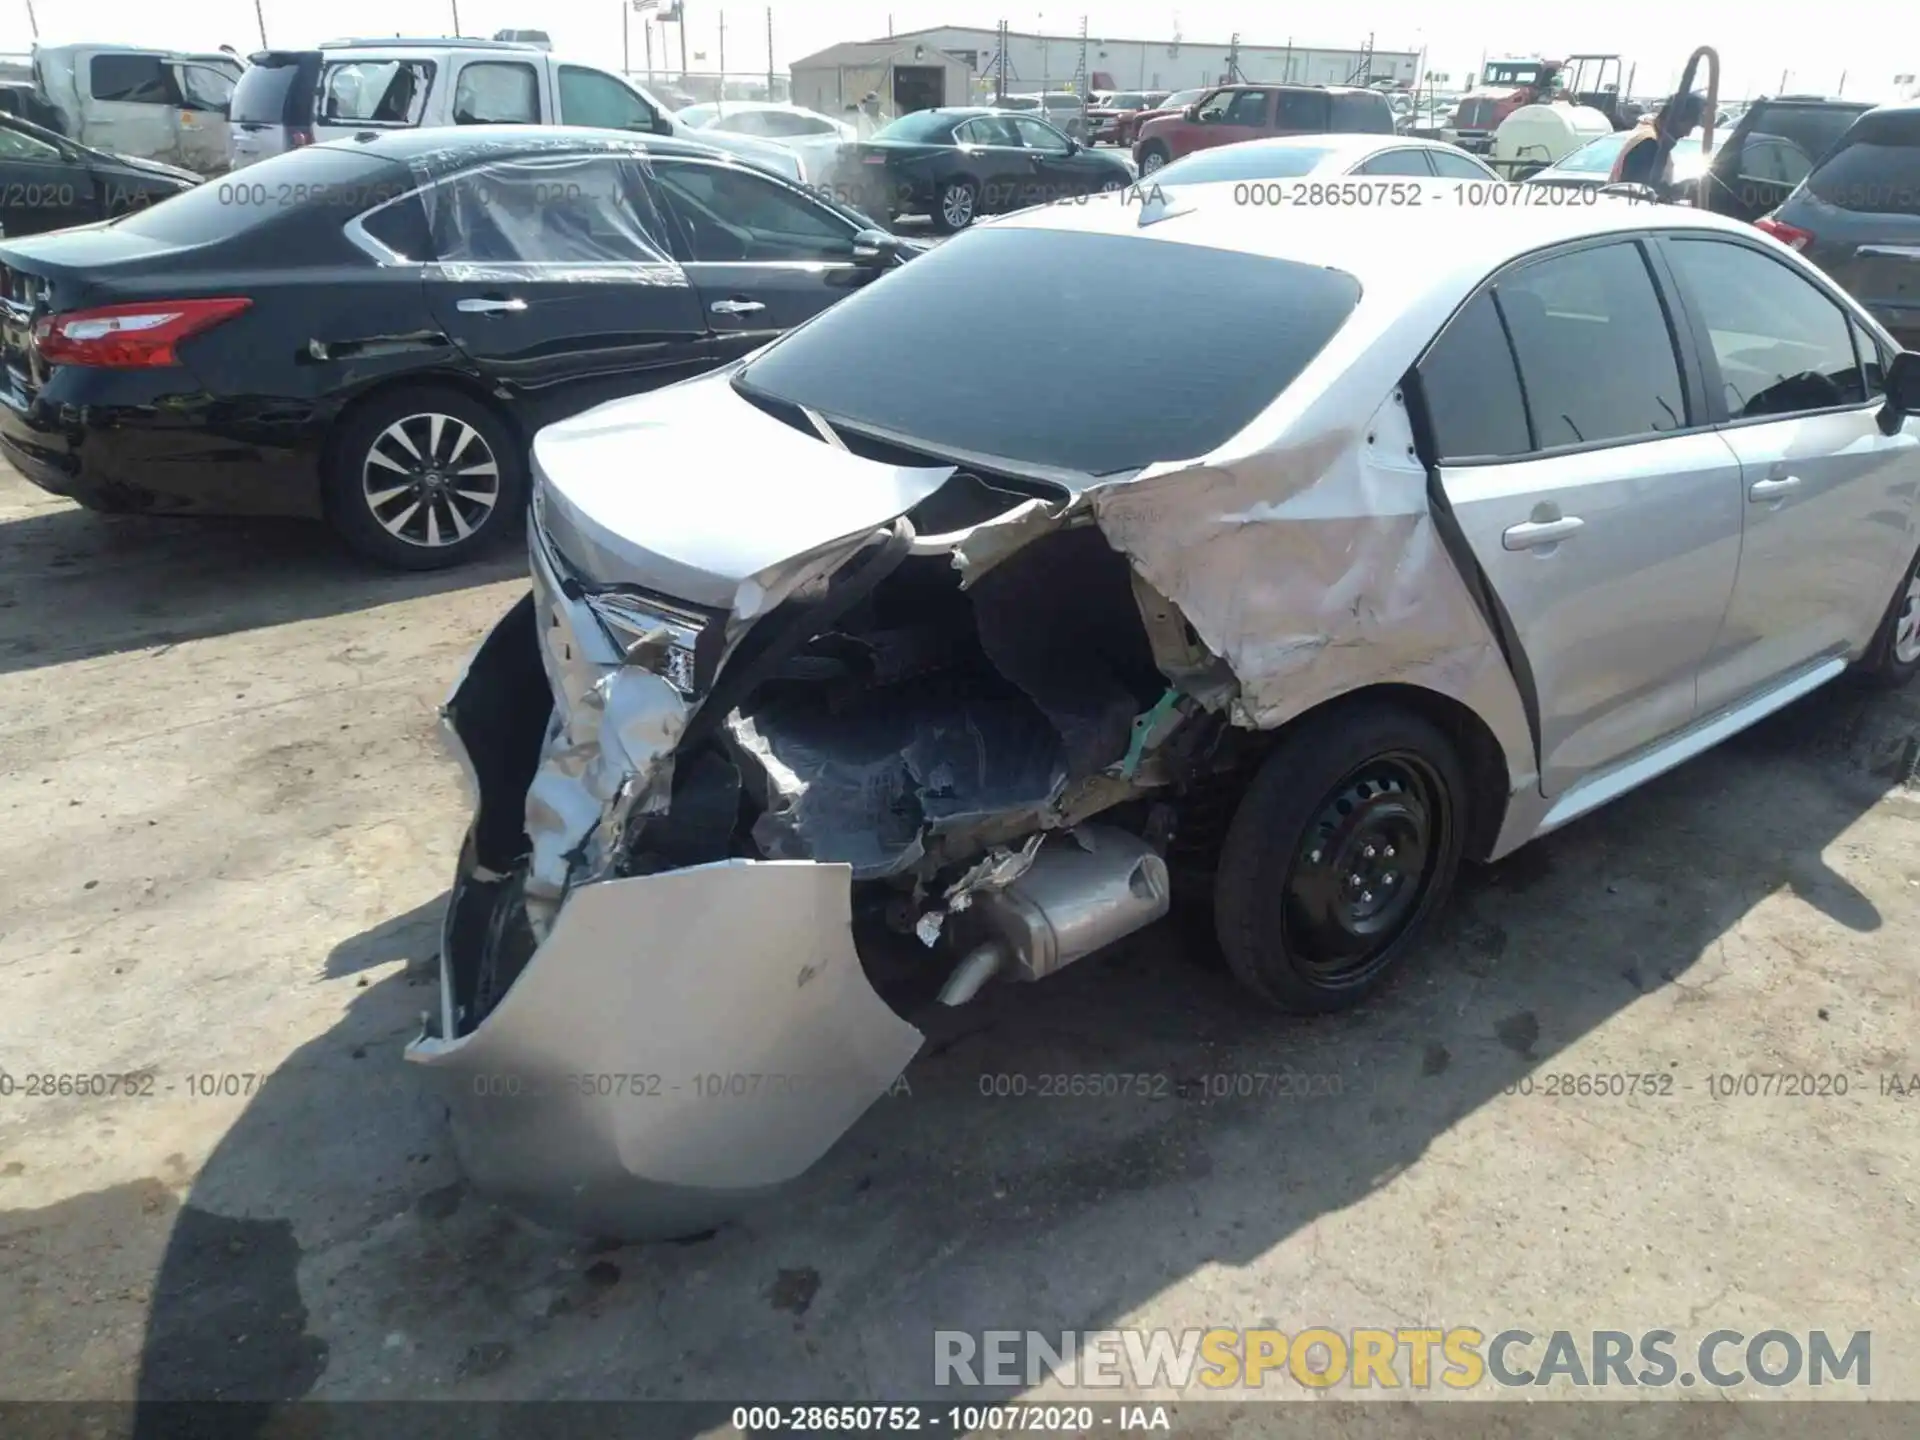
(450, 146)
(1341, 142)
(1460, 244)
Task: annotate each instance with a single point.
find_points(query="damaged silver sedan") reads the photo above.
(883, 640)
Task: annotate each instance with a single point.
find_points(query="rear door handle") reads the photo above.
(736, 307)
(490, 307)
(1773, 489)
(1532, 533)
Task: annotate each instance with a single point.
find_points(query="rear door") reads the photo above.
(1605, 516)
(200, 119)
(1828, 499)
(1303, 112)
(497, 91)
(1862, 205)
(992, 151)
(554, 276)
(763, 256)
(127, 103)
(43, 187)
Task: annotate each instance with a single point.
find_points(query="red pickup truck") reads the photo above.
(1252, 112)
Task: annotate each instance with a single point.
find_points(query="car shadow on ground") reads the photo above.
(75, 585)
(331, 1233)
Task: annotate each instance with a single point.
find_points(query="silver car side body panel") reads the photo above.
(642, 1054)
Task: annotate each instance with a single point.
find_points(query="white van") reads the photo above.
(358, 87)
(166, 105)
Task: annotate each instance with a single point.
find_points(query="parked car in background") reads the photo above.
(161, 105)
(357, 87)
(1104, 120)
(1232, 113)
(960, 163)
(22, 99)
(48, 182)
(371, 331)
(1857, 216)
(273, 105)
(1772, 147)
(814, 137)
(1406, 564)
(1062, 109)
(1591, 166)
(1126, 127)
(1294, 157)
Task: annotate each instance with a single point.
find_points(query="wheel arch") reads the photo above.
(1481, 755)
(465, 385)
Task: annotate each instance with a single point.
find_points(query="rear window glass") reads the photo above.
(1876, 170)
(1244, 162)
(271, 92)
(1362, 114)
(344, 182)
(923, 125)
(375, 92)
(1231, 332)
(1812, 130)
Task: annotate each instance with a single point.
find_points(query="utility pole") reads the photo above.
(770, 54)
(257, 15)
(1000, 67)
(680, 9)
(1234, 77)
(646, 34)
(626, 39)
(722, 93)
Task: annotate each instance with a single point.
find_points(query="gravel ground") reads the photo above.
(226, 829)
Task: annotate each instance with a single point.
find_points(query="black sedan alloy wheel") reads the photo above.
(430, 480)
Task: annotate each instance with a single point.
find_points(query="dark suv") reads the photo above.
(1773, 146)
(1857, 216)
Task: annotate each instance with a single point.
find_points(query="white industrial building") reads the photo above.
(1036, 62)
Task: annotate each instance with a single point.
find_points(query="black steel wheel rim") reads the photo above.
(1364, 868)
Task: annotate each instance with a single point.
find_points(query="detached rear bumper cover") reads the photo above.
(680, 1043)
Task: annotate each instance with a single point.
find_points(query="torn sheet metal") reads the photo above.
(868, 786)
(679, 1044)
(608, 752)
(996, 870)
(991, 541)
(1314, 569)
(630, 495)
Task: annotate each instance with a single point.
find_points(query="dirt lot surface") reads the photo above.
(226, 830)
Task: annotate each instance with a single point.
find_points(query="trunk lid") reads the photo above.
(628, 492)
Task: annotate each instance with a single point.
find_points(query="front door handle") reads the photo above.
(1773, 489)
(490, 307)
(735, 307)
(1533, 533)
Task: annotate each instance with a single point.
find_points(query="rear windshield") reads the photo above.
(301, 186)
(1244, 162)
(275, 90)
(1231, 332)
(1876, 170)
(1813, 129)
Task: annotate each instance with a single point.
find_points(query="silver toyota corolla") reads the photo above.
(881, 666)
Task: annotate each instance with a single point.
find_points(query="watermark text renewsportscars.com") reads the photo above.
(1447, 1358)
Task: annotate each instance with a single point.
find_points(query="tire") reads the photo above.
(393, 506)
(954, 207)
(1317, 830)
(1894, 656)
(1152, 157)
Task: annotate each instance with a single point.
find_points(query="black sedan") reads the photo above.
(371, 330)
(955, 164)
(48, 182)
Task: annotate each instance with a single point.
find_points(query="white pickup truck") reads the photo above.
(165, 105)
(350, 87)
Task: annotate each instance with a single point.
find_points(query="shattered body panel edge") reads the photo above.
(1315, 570)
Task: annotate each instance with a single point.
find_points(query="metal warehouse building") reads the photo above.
(911, 66)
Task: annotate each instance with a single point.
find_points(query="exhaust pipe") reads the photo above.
(1084, 891)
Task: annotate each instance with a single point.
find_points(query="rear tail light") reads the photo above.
(1791, 236)
(128, 337)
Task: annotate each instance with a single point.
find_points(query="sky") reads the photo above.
(1642, 31)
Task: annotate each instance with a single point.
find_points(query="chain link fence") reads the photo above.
(678, 89)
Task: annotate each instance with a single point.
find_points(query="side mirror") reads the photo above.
(1192, 112)
(875, 248)
(1903, 392)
